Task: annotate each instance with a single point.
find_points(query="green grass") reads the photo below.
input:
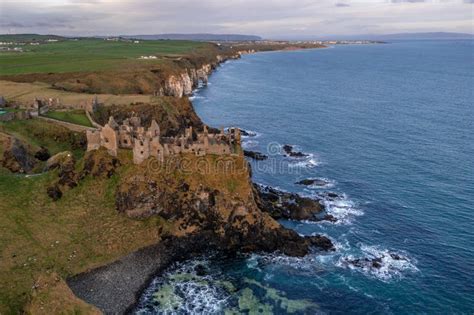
(89, 55)
(39, 133)
(77, 117)
(78, 232)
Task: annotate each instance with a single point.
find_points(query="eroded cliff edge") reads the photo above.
(110, 208)
(208, 203)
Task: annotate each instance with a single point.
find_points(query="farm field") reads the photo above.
(24, 93)
(80, 55)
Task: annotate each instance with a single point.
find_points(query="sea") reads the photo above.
(388, 129)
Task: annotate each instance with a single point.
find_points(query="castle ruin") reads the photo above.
(149, 142)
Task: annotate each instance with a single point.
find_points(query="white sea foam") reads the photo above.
(248, 144)
(196, 97)
(309, 161)
(308, 263)
(388, 264)
(192, 294)
(251, 134)
(342, 208)
(321, 183)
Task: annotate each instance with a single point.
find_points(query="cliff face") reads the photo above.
(182, 84)
(172, 77)
(208, 198)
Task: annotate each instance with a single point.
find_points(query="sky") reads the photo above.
(267, 18)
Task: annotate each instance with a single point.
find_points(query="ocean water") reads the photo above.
(390, 128)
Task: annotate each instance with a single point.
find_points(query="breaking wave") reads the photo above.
(321, 183)
(248, 144)
(309, 161)
(182, 289)
(378, 262)
(196, 97)
(342, 208)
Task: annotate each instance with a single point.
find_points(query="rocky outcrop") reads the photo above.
(65, 163)
(255, 155)
(233, 222)
(285, 205)
(99, 163)
(182, 84)
(16, 156)
(59, 160)
(288, 149)
(313, 182)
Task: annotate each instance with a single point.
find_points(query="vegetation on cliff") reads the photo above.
(94, 221)
(119, 67)
(76, 211)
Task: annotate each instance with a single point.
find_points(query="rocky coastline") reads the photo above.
(207, 218)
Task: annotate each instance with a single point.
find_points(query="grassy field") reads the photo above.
(89, 55)
(40, 238)
(78, 232)
(25, 93)
(77, 117)
(37, 133)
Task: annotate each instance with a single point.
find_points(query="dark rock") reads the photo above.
(229, 225)
(288, 149)
(332, 195)
(322, 242)
(99, 163)
(246, 133)
(200, 270)
(184, 187)
(17, 158)
(42, 154)
(67, 175)
(306, 182)
(327, 217)
(66, 165)
(317, 182)
(54, 192)
(255, 155)
(396, 256)
(377, 262)
(286, 205)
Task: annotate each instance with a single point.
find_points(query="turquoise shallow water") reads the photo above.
(391, 129)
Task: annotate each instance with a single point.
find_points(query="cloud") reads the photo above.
(407, 1)
(269, 18)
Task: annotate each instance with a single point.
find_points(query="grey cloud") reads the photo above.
(407, 1)
(35, 25)
(268, 18)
